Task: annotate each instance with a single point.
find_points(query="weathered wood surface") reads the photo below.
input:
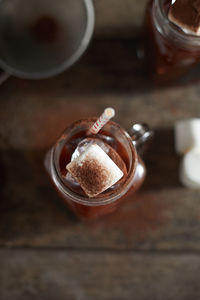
(116, 18)
(163, 215)
(149, 249)
(44, 275)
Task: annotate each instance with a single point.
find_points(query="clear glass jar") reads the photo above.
(169, 51)
(108, 201)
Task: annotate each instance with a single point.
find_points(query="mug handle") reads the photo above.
(140, 134)
(4, 76)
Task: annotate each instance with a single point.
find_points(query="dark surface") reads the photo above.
(149, 249)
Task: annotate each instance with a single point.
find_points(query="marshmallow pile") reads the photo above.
(94, 170)
(187, 143)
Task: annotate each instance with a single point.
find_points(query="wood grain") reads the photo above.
(116, 18)
(122, 276)
(163, 215)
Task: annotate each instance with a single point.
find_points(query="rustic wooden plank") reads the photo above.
(116, 18)
(164, 215)
(29, 275)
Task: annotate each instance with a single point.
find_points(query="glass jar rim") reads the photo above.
(174, 30)
(96, 201)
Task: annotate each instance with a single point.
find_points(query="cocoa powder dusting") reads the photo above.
(117, 160)
(91, 175)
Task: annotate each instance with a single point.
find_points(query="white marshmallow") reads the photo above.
(83, 145)
(187, 142)
(187, 135)
(190, 169)
(188, 31)
(94, 170)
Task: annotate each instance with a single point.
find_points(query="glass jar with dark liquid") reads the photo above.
(169, 52)
(121, 149)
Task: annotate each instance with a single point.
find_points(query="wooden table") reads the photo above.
(150, 248)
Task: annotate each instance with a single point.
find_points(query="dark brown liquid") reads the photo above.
(45, 29)
(166, 60)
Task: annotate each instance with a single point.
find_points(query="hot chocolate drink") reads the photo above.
(94, 173)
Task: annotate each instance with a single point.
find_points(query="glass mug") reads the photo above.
(169, 52)
(59, 155)
(42, 38)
